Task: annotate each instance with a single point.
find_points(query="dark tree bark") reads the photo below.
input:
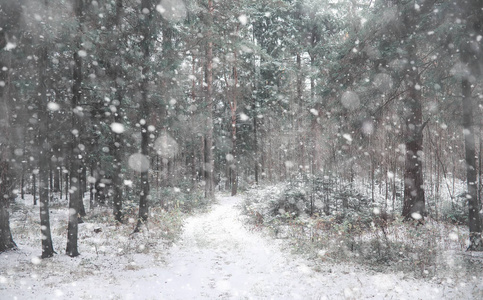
(43, 147)
(9, 19)
(56, 187)
(414, 206)
(117, 180)
(209, 161)
(67, 184)
(6, 186)
(233, 109)
(34, 186)
(471, 55)
(145, 47)
(75, 166)
(414, 200)
(81, 211)
(256, 150)
(474, 223)
(82, 189)
(24, 166)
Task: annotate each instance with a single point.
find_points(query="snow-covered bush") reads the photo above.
(456, 213)
(291, 202)
(259, 203)
(361, 232)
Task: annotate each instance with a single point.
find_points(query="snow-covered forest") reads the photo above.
(241, 149)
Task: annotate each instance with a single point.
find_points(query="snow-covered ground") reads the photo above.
(217, 257)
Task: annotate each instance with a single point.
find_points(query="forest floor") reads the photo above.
(216, 257)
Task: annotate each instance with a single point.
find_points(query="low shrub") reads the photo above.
(172, 198)
(457, 213)
(364, 234)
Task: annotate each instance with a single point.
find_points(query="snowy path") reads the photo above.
(218, 258)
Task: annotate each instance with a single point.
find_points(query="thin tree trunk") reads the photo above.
(372, 179)
(233, 108)
(56, 187)
(256, 152)
(479, 166)
(61, 186)
(82, 188)
(438, 179)
(91, 196)
(194, 176)
(34, 183)
(67, 184)
(51, 181)
(22, 183)
(117, 180)
(299, 113)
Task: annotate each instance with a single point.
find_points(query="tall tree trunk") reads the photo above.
(145, 45)
(67, 183)
(75, 166)
(209, 162)
(51, 179)
(255, 140)
(83, 187)
(414, 199)
(479, 166)
(44, 162)
(299, 113)
(56, 187)
(471, 55)
(6, 240)
(117, 180)
(194, 176)
(24, 164)
(474, 223)
(6, 172)
(59, 172)
(34, 186)
(233, 109)
(10, 20)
